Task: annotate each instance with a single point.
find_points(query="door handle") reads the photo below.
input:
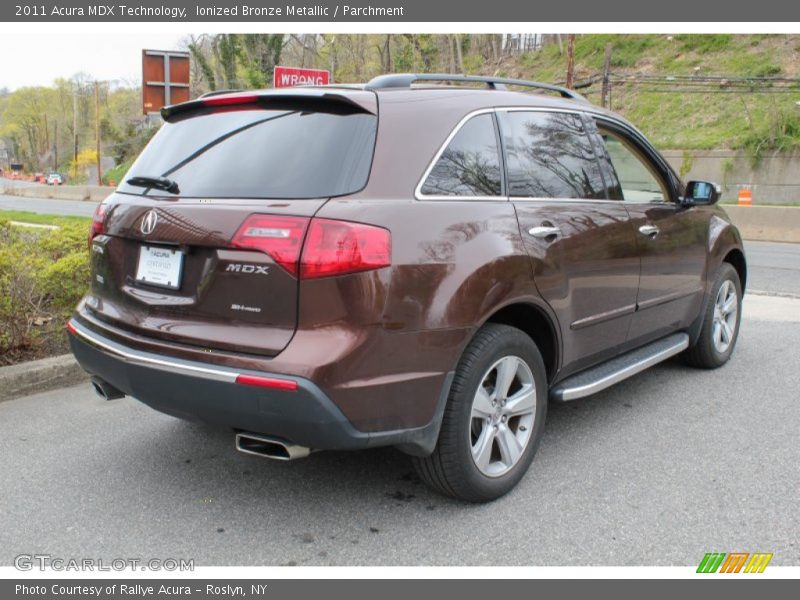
(649, 230)
(544, 232)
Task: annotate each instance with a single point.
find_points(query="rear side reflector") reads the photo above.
(339, 247)
(313, 248)
(272, 383)
(71, 328)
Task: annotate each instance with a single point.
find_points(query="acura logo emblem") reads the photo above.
(149, 222)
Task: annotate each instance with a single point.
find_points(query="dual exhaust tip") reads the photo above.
(269, 447)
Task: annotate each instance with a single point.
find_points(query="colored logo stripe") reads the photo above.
(711, 562)
(758, 562)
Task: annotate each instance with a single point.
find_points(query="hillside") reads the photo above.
(680, 113)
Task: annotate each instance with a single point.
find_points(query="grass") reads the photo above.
(746, 119)
(40, 219)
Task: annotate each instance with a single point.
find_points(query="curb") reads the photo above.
(39, 376)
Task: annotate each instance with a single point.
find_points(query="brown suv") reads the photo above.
(424, 266)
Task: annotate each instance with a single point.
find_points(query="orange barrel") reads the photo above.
(745, 197)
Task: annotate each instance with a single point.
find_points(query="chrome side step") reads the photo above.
(598, 378)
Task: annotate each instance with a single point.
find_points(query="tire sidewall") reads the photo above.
(725, 273)
(513, 343)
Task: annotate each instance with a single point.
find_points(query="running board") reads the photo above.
(605, 375)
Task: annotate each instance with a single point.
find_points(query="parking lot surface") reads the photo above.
(658, 470)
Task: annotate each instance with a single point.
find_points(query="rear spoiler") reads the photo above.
(358, 100)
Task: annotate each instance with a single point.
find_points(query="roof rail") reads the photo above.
(404, 80)
(218, 92)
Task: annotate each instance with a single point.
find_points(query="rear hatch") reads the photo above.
(200, 244)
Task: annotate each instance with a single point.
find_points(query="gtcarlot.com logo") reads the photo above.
(42, 562)
(734, 562)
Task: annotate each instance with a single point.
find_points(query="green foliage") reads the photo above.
(687, 161)
(778, 132)
(43, 274)
(704, 42)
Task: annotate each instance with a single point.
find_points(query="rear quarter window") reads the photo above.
(257, 152)
(470, 164)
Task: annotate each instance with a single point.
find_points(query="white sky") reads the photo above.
(27, 59)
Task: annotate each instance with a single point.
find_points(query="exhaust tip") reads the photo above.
(269, 447)
(105, 390)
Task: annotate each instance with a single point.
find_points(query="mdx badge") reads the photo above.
(244, 268)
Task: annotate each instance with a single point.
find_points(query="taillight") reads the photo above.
(331, 247)
(98, 222)
(339, 247)
(280, 237)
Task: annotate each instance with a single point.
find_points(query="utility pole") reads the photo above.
(571, 61)
(75, 129)
(97, 128)
(55, 146)
(605, 96)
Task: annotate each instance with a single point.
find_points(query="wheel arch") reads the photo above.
(735, 257)
(534, 321)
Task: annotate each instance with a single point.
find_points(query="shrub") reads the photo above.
(43, 274)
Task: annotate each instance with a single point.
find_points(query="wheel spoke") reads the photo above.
(717, 333)
(482, 404)
(506, 371)
(482, 450)
(729, 305)
(523, 402)
(510, 448)
(726, 331)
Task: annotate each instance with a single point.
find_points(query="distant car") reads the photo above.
(39, 178)
(55, 179)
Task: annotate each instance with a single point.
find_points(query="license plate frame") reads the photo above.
(160, 266)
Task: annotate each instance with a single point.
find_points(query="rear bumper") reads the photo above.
(198, 391)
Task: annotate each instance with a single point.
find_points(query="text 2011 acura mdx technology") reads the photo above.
(419, 266)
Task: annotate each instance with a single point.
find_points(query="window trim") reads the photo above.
(641, 144)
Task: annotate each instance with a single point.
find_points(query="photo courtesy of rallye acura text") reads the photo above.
(422, 261)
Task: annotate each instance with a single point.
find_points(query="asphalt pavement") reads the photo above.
(659, 470)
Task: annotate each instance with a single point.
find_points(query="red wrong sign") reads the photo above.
(291, 76)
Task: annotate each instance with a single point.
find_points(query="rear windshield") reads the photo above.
(255, 152)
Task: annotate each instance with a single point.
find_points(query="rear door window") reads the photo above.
(258, 152)
(470, 164)
(550, 155)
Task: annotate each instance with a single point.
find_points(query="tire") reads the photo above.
(507, 445)
(707, 352)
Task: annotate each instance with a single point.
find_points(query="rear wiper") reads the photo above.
(160, 183)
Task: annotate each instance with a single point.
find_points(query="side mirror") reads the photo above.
(701, 192)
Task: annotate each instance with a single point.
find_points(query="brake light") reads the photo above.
(280, 237)
(339, 247)
(230, 99)
(330, 248)
(98, 222)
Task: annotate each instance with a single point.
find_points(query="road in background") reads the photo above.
(658, 470)
(773, 268)
(46, 206)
